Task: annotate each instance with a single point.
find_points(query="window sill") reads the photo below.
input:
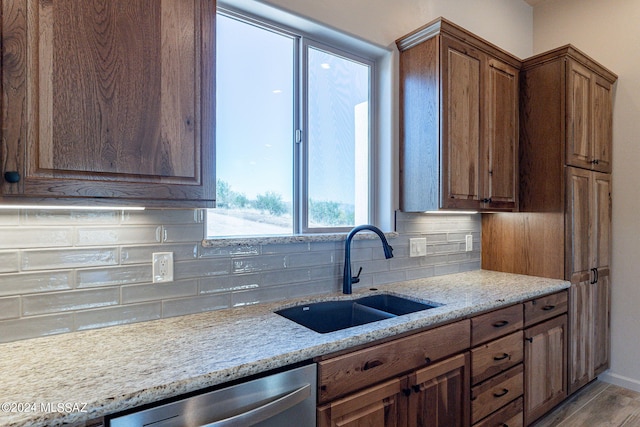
(295, 238)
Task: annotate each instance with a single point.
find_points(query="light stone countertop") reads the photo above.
(121, 367)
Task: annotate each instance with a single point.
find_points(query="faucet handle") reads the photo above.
(356, 278)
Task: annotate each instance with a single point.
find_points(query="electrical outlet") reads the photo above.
(468, 243)
(162, 267)
(418, 247)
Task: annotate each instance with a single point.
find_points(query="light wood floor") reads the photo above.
(598, 404)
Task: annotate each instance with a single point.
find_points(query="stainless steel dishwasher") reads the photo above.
(278, 400)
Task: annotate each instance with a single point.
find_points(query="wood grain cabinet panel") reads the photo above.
(545, 367)
(343, 374)
(109, 100)
(374, 389)
(589, 225)
(511, 415)
(495, 393)
(379, 405)
(496, 356)
(495, 324)
(440, 394)
(589, 114)
(546, 307)
(459, 121)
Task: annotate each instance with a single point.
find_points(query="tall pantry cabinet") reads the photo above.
(563, 229)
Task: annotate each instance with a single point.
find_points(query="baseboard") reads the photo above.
(619, 380)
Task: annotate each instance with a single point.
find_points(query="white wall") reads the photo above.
(609, 32)
(506, 23)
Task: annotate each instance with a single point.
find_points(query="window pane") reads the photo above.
(254, 128)
(338, 140)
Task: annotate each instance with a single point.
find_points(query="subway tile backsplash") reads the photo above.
(62, 271)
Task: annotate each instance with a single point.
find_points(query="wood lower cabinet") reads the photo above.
(433, 396)
(545, 358)
(108, 101)
(505, 367)
(380, 405)
(496, 366)
(439, 394)
(417, 380)
(459, 121)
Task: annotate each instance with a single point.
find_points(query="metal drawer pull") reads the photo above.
(548, 307)
(501, 323)
(502, 393)
(498, 358)
(371, 364)
(265, 411)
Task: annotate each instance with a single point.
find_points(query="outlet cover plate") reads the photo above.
(468, 243)
(418, 247)
(162, 267)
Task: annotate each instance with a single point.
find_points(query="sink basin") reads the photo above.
(393, 304)
(330, 316)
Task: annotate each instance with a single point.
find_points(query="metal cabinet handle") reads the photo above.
(371, 364)
(548, 307)
(499, 358)
(502, 393)
(12, 177)
(501, 323)
(265, 411)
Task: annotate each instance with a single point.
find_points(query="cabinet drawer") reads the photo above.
(496, 324)
(496, 392)
(544, 308)
(353, 371)
(511, 415)
(496, 356)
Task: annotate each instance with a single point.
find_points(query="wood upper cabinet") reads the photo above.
(589, 112)
(459, 121)
(501, 135)
(108, 100)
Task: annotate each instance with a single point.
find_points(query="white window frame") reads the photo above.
(309, 33)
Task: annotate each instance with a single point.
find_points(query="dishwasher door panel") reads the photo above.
(273, 401)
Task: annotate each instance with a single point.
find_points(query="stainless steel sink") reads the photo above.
(330, 316)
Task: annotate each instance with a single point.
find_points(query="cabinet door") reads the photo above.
(588, 243)
(578, 222)
(589, 119)
(440, 395)
(580, 363)
(375, 406)
(602, 254)
(601, 322)
(579, 118)
(545, 360)
(461, 128)
(109, 99)
(602, 124)
(501, 136)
